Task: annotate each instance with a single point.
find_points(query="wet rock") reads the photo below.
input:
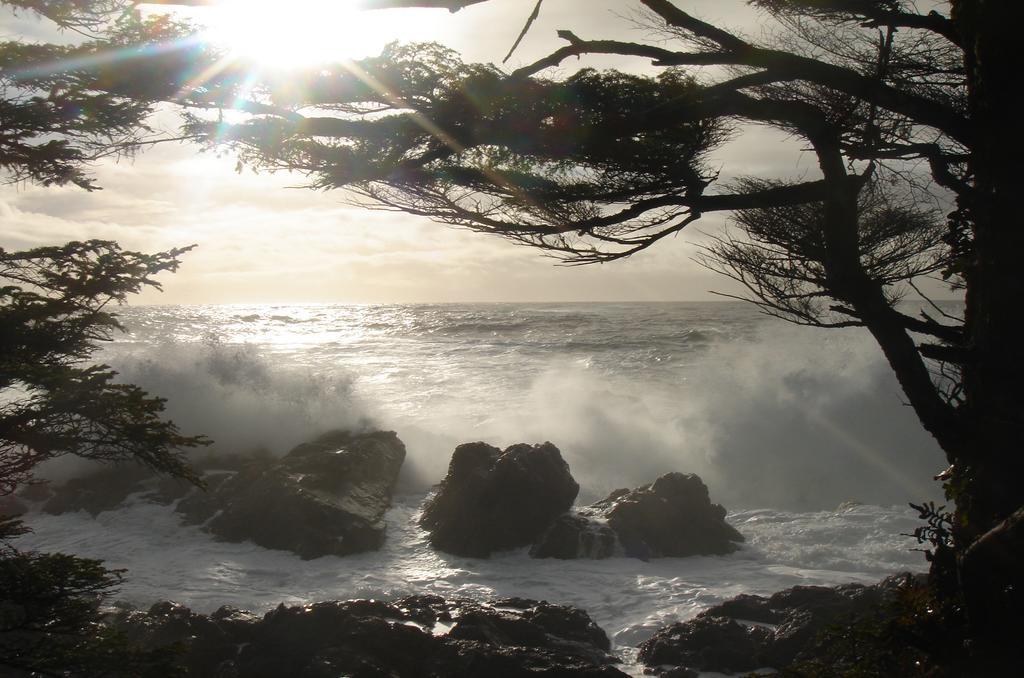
(12, 506)
(201, 505)
(104, 490)
(492, 500)
(747, 608)
(325, 497)
(671, 517)
(722, 638)
(207, 645)
(416, 636)
(36, 491)
(809, 610)
(707, 644)
(576, 535)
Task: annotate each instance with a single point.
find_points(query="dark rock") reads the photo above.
(671, 517)
(11, 506)
(199, 506)
(707, 644)
(326, 497)
(415, 636)
(101, 491)
(809, 610)
(207, 645)
(493, 500)
(575, 535)
(166, 490)
(745, 607)
(722, 639)
(36, 491)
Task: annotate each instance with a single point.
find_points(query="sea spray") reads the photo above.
(769, 414)
(241, 398)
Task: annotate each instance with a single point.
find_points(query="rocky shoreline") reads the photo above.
(329, 496)
(429, 636)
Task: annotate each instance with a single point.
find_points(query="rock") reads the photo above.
(790, 623)
(36, 491)
(109, 487)
(416, 636)
(671, 517)
(207, 645)
(706, 644)
(493, 500)
(745, 607)
(198, 507)
(576, 535)
(102, 491)
(809, 610)
(325, 497)
(11, 506)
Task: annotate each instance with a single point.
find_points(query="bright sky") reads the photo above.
(260, 240)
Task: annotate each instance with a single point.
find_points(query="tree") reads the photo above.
(52, 317)
(894, 103)
(53, 313)
(63, 107)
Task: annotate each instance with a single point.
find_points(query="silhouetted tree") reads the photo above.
(61, 108)
(53, 313)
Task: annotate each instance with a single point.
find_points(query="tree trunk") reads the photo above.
(988, 483)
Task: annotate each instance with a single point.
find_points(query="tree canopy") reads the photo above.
(53, 314)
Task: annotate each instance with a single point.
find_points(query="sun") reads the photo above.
(292, 33)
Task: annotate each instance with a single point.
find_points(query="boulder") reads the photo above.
(108, 488)
(706, 644)
(576, 535)
(750, 632)
(424, 636)
(11, 506)
(492, 500)
(325, 497)
(671, 517)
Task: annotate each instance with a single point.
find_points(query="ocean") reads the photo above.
(800, 432)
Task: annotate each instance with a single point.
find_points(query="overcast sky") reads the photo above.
(262, 240)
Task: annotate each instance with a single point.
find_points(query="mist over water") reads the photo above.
(769, 414)
(783, 423)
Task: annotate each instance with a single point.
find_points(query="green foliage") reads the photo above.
(65, 106)
(937, 529)
(52, 314)
(533, 159)
(50, 620)
(76, 14)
